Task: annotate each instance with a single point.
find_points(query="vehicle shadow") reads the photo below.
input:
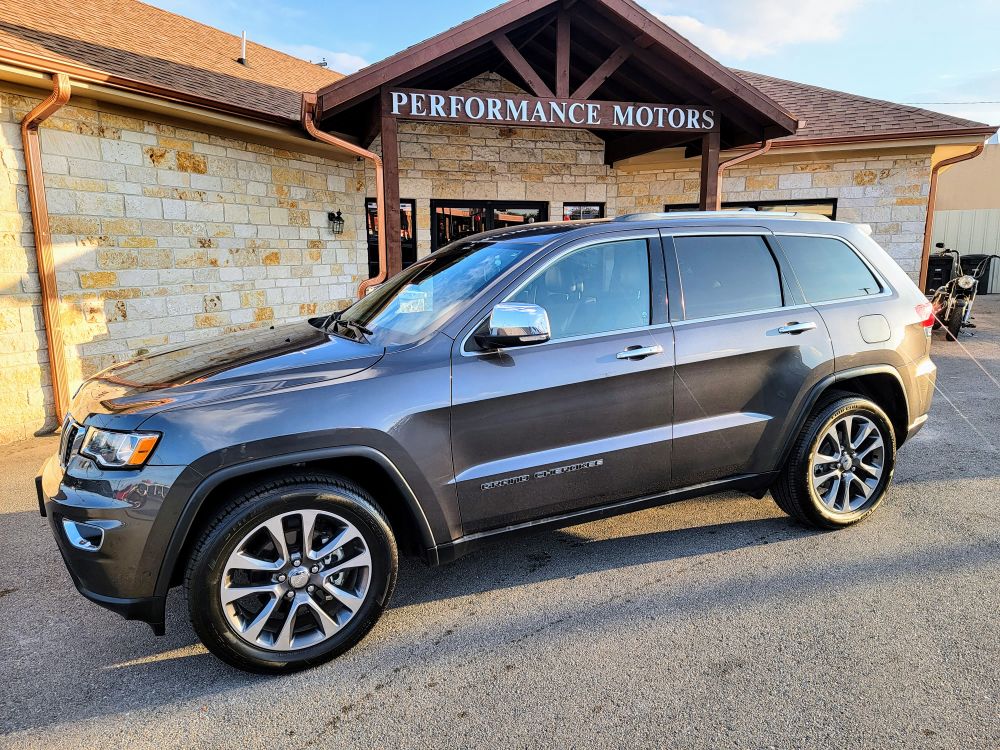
(548, 555)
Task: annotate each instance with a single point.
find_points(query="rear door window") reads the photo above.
(727, 275)
(827, 268)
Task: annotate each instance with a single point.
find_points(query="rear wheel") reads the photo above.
(291, 574)
(840, 466)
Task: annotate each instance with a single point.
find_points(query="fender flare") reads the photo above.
(824, 385)
(185, 521)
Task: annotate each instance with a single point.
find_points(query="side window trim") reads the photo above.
(791, 296)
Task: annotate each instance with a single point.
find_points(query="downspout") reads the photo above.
(61, 90)
(760, 151)
(925, 253)
(309, 123)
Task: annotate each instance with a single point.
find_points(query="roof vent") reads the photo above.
(242, 59)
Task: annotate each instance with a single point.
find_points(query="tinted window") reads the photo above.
(828, 269)
(600, 288)
(726, 275)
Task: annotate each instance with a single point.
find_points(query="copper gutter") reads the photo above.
(309, 123)
(763, 149)
(43, 237)
(932, 199)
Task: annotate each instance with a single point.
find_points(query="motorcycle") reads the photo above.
(953, 300)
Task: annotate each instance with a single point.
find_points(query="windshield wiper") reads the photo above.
(359, 330)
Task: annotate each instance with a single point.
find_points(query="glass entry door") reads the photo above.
(407, 233)
(455, 220)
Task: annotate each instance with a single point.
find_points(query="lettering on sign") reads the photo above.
(449, 106)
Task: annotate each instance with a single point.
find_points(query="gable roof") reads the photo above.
(133, 41)
(661, 67)
(837, 117)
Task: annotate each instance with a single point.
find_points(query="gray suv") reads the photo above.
(518, 379)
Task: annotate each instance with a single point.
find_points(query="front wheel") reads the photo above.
(291, 574)
(956, 319)
(840, 466)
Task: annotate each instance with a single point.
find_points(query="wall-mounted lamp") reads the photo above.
(336, 222)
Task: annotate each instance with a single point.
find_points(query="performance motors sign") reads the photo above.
(527, 111)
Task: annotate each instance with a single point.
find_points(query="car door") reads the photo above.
(747, 352)
(583, 419)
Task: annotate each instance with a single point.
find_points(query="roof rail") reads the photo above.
(740, 213)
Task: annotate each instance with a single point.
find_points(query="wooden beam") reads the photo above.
(390, 168)
(708, 199)
(676, 79)
(562, 54)
(521, 66)
(432, 53)
(603, 73)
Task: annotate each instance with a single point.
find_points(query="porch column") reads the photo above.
(390, 167)
(709, 197)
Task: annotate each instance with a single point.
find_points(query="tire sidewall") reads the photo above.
(834, 412)
(206, 608)
(955, 320)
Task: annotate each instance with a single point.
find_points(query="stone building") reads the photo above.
(181, 196)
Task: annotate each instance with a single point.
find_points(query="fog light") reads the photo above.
(83, 535)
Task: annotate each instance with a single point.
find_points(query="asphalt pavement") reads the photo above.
(714, 623)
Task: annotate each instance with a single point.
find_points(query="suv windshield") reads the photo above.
(425, 296)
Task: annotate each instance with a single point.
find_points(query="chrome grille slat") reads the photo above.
(70, 432)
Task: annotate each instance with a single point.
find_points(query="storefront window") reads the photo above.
(407, 232)
(455, 220)
(823, 206)
(581, 211)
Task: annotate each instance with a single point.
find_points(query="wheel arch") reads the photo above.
(363, 465)
(881, 384)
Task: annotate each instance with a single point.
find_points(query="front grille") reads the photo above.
(70, 432)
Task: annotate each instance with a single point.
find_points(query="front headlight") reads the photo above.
(966, 282)
(118, 450)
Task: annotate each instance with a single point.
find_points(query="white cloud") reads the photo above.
(342, 62)
(741, 29)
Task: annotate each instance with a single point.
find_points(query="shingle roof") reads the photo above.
(133, 40)
(837, 116)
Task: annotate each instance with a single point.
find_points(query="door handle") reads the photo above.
(796, 328)
(640, 352)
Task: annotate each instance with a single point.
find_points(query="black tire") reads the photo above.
(955, 321)
(238, 518)
(794, 492)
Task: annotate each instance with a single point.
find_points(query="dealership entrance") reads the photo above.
(606, 68)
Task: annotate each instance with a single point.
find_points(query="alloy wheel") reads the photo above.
(296, 580)
(848, 463)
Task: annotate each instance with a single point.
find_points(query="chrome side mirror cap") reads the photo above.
(515, 324)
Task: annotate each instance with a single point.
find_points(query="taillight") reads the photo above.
(926, 313)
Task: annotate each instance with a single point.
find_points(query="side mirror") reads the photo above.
(515, 324)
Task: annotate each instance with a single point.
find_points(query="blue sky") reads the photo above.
(913, 51)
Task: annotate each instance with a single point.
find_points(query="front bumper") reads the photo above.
(116, 560)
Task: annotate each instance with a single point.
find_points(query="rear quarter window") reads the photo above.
(828, 269)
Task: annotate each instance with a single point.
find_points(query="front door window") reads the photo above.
(455, 220)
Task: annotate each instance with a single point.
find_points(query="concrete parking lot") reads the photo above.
(714, 623)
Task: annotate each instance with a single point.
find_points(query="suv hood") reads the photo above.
(246, 363)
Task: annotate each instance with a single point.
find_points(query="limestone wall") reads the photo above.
(162, 234)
